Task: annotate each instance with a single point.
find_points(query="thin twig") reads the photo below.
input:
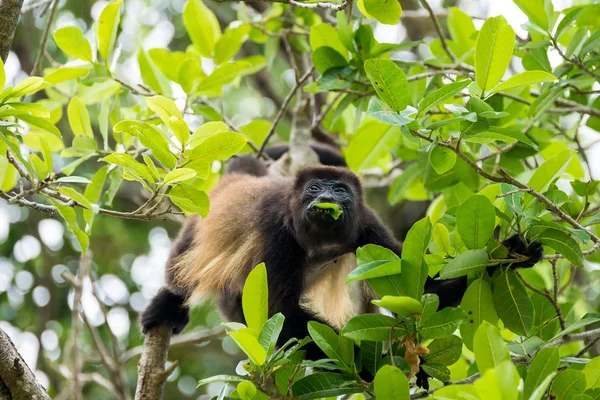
(38, 60)
(438, 28)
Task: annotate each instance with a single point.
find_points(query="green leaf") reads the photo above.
(163, 107)
(169, 62)
(445, 351)
(63, 74)
(152, 138)
(384, 113)
(151, 75)
(41, 123)
(567, 21)
(230, 43)
(108, 25)
(246, 390)
(79, 118)
(544, 364)
(562, 243)
(414, 268)
(220, 146)
(441, 237)
(464, 264)
(489, 347)
(442, 159)
(372, 141)
(512, 303)
(92, 193)
(327, 340)
(372, 327)
(373, 262)
(221, 378)
(493, 52)
(549, 170)
(400, 305)
(256, 132)
(27, 86)
(592, 373)
(326, 35)
(255, 299)
(437, 371)
(535, 10)
(344, 30)
(439, 96)
(541, 390)
(2, 75)
(385, 11)
(128, 162)
(270, 333)
(250, 345)
(324, 384)
(391, 384)
(190, 199)
(523, 79)
(478, 303)
(179, 175)
(72, 42)
(325, 58)
(206, 34)
(98, 92)
(180, 130)
(568, 384)
(70, 217)
(475, 221)
(441, 323)
(389, 82)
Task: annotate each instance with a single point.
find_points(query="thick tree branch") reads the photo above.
(152, 373)
(10, 10)
(16, 375)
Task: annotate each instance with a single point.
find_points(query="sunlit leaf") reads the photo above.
(108, 25)
(493, 52)
(72, 42)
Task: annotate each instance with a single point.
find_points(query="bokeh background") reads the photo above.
(129, 256)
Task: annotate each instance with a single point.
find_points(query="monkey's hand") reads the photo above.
(531, 254)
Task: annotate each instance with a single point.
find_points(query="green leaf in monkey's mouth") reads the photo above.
(328, 208)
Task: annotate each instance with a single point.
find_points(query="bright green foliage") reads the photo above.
(495, 152)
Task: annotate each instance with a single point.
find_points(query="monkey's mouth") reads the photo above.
(331, 209)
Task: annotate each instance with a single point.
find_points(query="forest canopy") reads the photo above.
(467, 124)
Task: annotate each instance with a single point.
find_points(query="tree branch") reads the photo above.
(10, 10)
(16, 375)
(151, 369)
(38, 60)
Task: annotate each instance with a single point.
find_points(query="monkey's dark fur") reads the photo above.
(259, 218)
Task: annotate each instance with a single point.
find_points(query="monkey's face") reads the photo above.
(327, 203)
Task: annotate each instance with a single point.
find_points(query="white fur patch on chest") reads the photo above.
(329, 296)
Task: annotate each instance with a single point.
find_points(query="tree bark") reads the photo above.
(151, 369)
(10, 11)
(17, 382)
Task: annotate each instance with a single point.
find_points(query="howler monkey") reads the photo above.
(289, 224)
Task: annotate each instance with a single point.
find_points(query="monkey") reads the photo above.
(308, 253)
(327, 154)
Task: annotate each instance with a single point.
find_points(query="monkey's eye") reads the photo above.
(339, 190)
(313, 188)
